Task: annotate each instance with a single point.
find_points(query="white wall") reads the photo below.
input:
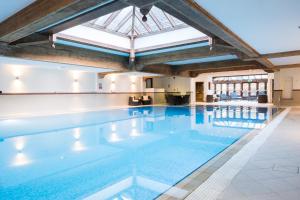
(121, 83)
(43, 77)
(283, 74)
(173, 84)
(34, 80)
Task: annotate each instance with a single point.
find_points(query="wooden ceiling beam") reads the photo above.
(222, 69)
(141, 3)
(54, 16)
(34, 39)
(288, 66)
(216, 64)
(194, 15)
(66, 55)
(275, 55)
(162, 69)
(180, 55)
(106, 8)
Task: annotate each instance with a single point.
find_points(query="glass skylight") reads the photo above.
(120, 22)
(114, 30)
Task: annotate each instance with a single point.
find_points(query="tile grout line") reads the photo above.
(216, 183)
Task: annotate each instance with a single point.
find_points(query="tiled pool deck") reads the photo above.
(272, 173)
(266, 168)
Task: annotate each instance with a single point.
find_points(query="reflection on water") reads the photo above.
(133, 153)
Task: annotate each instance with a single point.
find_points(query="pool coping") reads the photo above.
(198, 185)
(96, 109)
(18, 116)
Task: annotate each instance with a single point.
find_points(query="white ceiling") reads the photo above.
(10, 7)
(269, 26)
(286, 60)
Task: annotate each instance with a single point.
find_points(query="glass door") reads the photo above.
(238, 88)
(245, 89)
(253, 89)
(262, 88)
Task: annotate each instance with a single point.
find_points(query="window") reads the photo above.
(149, 83)
(218, 88)
(262, 88)
(245, 89)
(230, 88)
(238, 88)
(253, 89)
(224, 88)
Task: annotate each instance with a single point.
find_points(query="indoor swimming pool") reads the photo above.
(127, 154)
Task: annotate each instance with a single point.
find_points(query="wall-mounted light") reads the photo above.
(75, 80)
(17, 78)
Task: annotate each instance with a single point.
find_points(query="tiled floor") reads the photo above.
(273, 172)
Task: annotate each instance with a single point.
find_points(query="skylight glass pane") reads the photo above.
(120, 18)
(140, 26)
(101, 20)
(154, 27)
(161, 17)
(126, 26)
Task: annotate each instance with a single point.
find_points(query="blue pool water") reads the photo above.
(135, 153)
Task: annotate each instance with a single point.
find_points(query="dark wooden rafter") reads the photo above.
(141, 3)
(288, 66)
(66, 55)
(54, 16)
(216, 64)
(275, 55)
(162, 69)
(193, 14)
(106, 7)
(34, 39)
(186, 54)
(221, 69)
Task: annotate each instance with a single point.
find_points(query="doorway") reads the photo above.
(199, 91)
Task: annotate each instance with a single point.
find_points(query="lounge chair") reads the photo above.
(146, 100)
(133, 101)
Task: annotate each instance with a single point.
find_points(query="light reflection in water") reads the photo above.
(20, 160)
(78, 146)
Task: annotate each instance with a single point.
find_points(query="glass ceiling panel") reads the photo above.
(120, 18)
(151, 23)
(120, 22)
